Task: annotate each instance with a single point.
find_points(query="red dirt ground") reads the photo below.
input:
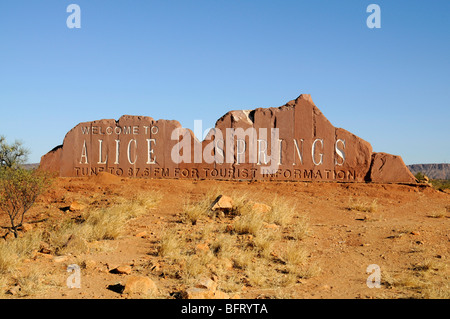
(409, 225)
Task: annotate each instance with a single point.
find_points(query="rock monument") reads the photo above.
(293, 142)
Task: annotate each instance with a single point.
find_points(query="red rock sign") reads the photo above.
(291, 142)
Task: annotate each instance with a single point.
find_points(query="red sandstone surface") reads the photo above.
(292, 142)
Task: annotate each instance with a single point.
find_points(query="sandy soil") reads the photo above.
(408, 227)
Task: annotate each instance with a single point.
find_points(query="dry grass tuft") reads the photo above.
(196, 266)
(360, 205)
(265, 242)
(12, 252)
(281, 213)
(294, 255)
(300, 228)
(100, 223)
(242, 251)
(224, 246)
(428, 279)
(248, 224)
(192, 212)
(438, 214)
(31, 283)
(171, 244)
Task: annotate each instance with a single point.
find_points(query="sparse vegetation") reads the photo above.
(299, 229)
(294, 255)
(12, 155)
(19, 189)
(31, 282)
(438, 214)
(420, 280)
(170, 244)
(248, 224)
(440, 184)
(281, 213)
(420, 176)
(249, 250)
(262, 247)
(360, 205)
(12, 252)
(106, 223)
(192, 212)
(68, 237)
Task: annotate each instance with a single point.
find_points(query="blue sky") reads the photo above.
(188, 60)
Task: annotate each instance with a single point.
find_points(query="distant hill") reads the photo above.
(30, 166)
(434, 171)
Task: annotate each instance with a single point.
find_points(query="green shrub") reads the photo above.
(12, 155)
(19, 189)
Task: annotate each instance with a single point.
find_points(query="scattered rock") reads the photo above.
(140, 285)
(142, 234)
(60, 259)
(201, 293)
(325, 287)
(122, 270)
(202, 247)
(76, 206)
(221, 295)
(222, 203)
(89, 264)
(207, 283)
(206, 288)
(44, 248)
(415, 233)
(197, 293)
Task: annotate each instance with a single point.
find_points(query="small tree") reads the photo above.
(19, 189)
(12, 155)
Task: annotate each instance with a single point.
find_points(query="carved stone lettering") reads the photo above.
(293, 142)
